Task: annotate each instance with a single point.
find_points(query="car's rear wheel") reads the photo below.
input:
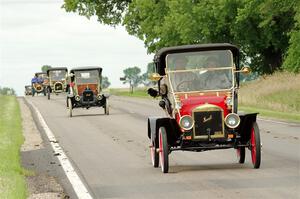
(106, 107)
(255, 146)
(154, 153)
(241, 153)
(163, 150)
(70, 107)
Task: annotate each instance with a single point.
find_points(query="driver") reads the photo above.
(215, 79)
(182, 80)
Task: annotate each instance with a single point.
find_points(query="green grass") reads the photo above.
(275, 96)
(138, 92)
(12, 180)
(293, 117)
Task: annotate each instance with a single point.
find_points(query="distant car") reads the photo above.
(85, 89)
(57, 80)
(198, 86)
(41, 86)
(28, 90)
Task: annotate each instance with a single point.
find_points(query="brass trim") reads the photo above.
(208, 108)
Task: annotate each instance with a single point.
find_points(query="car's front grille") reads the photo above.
(58, 86)
(208, 123)
(88, 95)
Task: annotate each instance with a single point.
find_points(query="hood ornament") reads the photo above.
(206, 119)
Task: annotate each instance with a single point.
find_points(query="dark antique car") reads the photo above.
(28, 90)
(198, 86)
(57, 80)
(40, 86)
(85, 89)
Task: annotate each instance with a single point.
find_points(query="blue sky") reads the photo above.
(38, 32)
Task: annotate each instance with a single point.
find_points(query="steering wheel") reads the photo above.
(183, 83)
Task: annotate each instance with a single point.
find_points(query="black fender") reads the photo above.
(172, 128)
(244, 129)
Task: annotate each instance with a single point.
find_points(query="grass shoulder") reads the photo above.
(12, 180)
(138, 92)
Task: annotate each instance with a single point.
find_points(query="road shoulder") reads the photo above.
(37, 157)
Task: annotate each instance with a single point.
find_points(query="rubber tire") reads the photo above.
(154, 154)
(255, 146)
(70, 107)
(241, 154)
(106, 107)
(48, 92)
(163, 150)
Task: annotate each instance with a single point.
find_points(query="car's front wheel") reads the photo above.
(240, 152)
(70, 107)
(163, 150)
(106, 107)
(48, 92)
(154, 153)
(255, 146)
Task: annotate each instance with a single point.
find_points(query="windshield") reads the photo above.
(205, 70)
(57, 75)
(87, 77)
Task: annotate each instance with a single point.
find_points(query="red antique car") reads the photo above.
(198, 86)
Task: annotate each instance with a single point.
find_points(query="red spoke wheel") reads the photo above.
(255, 146)
(240, 152)
(154, 154)
(163, 150)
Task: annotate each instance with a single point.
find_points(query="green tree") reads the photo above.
(45, 68)
(292, 61)
(261, 28)
(145, 76)
(132, 76)
(7, 91)
(105, 82)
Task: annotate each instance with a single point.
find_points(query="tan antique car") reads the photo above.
(57, 80)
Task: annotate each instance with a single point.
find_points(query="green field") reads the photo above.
(276, 96)
(12, 180)
(138, 92)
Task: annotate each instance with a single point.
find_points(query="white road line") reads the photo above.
(78, 186)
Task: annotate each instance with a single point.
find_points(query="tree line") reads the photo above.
(267, 31)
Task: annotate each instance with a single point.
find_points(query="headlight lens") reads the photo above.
(186, 122)
(232, 120)
(77, 98)
(99, 97)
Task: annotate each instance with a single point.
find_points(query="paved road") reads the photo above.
(111, 154)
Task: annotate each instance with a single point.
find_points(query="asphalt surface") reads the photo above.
(111, 154)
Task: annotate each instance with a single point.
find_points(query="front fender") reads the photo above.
(244, 129)
(172, 128)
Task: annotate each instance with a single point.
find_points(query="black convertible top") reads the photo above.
(160, 56)
(57, 68)
(86, 68)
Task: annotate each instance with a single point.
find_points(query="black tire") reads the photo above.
(255, 146)
(48, 92)
(163, 150)
(70, 107)
(241, 154)
(106, 107)
(154, 153)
